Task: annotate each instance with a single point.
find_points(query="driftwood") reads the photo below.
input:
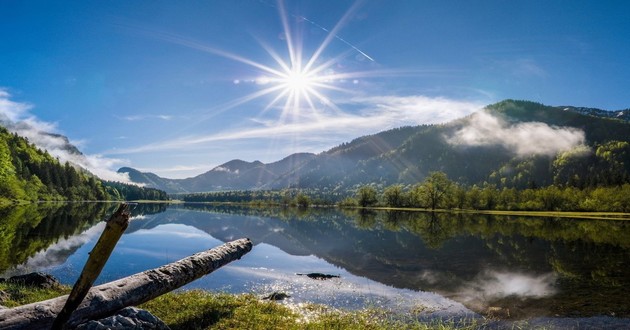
(114, 229)
(105, 299)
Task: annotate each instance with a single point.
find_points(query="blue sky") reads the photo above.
(178, 87)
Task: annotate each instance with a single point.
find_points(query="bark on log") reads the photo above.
(114, 229)
(106, 299)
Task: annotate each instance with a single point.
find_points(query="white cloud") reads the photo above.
(15, 116)
(397, 111)
(524, 139)
(373, 114)
(9, 110)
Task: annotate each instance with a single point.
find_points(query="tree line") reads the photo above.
(438, 192)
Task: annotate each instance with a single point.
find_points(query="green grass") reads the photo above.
(198, 309)
(17, 294)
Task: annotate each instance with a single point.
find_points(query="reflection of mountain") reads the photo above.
(477, 260)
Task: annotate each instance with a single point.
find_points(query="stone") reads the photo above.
(127, 318)
(319, 276)
(37, 279)
(277, 296)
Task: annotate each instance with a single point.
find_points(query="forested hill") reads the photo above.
(29, 173)
(512, 143)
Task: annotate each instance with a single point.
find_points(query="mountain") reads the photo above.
(233, 175)
(511, 144)
(152, 180)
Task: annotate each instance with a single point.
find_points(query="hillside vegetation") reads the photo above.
(28, 173)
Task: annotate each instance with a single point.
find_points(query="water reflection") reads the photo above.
(26, 230)
(530, 266)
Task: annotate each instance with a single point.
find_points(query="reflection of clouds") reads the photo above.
(57, 253)
(492, 285)
(430, 277)
(178, 230)
(507, 284)
(138, 217)
(349, 291)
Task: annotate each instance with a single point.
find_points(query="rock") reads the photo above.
(38, 279)
(319, 276)
(277, 296)
(127, 318)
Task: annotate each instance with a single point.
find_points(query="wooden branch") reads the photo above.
(106, 299)
(114, 229)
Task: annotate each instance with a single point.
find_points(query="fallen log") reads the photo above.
(105, 299)
(114, 229)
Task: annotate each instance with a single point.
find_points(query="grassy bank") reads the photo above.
(553, 214)
(198, 309)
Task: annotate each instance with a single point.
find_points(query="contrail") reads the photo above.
(336, 36)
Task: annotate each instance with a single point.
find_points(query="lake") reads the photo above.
(436, 263)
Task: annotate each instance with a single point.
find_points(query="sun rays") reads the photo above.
(293, 85)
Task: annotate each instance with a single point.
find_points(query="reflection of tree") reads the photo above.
(27, 229)
(392, 220)
(433, 228)
(365, 219)
(148, 208)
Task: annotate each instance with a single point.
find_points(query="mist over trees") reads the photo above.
(31, 174)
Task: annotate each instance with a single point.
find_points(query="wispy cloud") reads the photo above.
(372, 114)
(17, 118)
(146, 117)
(176, 169)
(524, 139)
(522, 68)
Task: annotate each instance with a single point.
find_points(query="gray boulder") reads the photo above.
(38, 279)
(127, 318)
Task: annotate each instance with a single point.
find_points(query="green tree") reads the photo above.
(302, 200)
(394, 196)
(366, 196)
(434, 190)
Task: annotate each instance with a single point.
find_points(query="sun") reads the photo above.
(298, 81)
(297, 85)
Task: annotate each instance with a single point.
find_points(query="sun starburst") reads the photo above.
(298, 85)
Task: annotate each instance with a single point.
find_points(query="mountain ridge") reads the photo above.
(407, 154)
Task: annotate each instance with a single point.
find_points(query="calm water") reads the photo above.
(443, 263)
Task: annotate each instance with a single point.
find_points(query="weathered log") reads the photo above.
(114, 229)
(105, 299)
